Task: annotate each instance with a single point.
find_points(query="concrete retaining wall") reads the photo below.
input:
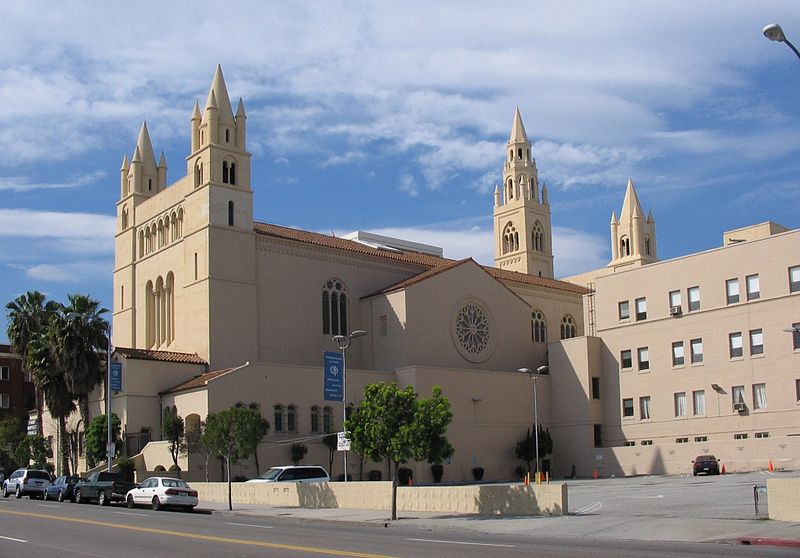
(545, 499)
(783, 499)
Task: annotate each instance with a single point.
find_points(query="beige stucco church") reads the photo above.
(214, 309)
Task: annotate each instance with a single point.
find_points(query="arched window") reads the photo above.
(224, 172)
(647, 245)
(519, 153)
(291, 418)
(198, 173)
(510, 189)
(538, 237)
(278, 416)
(230, 213)
(169, 308)
(160, 233)
(141, 243)
(510, 239)
(173, 218)
(538, 327)
(624, 246)
(227, 135)
(180, 223)
(529, 154)
(315, 418)
(160, 315)
(334, 308)
(327, 419)
(568, 329)
(149, 315)
(167, 238)
(510, 154)
(124, 217)
(233, 173)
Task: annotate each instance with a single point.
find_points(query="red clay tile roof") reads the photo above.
(197, 381)
(420, 277)
(163, 356)
(505, 275)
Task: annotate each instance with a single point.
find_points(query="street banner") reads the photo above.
(116, 376)
(334, 368)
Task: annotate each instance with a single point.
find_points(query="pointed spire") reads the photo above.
(630, 206)
(220, 93)
(196, 112)
(614, 220)
(650, 218)
(162, 162)
(545, 195)
(125, 164)
(211, 102)
(137, 156)
(145, 148)
(518, 129)
(240, 109)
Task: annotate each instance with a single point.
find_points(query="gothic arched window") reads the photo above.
(224, 172)
(278, 418)
(124, 217)
(647, 245)
(510, 189)
(624, 246)
(327, 419)
(291, 418)
(538, 237)
(233, 173)
(510, 239)
(334, 308)
(538, 327)
(230, 213)
(568, 328)
(315, 418)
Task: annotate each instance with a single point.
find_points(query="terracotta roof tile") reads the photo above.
(505, 275)
(198, 381)
(420, 277)
(163, 356)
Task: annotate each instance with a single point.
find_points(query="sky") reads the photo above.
(392, 118)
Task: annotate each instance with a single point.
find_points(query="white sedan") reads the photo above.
(160, 492)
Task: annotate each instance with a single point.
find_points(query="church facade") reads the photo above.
(214, 309)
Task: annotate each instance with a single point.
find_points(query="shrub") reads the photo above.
(477, 473)
(405, 476)
(375, 475)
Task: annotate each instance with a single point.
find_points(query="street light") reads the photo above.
(343, 342)
(109, 440)
(541, 371)
(773, 32)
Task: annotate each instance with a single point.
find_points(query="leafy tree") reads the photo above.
(393, 424)
(299, 451)
(32, 448)
(11, 432)
(526, 447)
(97, 436)
(233, 435)
(331, 441)
(27, 317)
(174, 432)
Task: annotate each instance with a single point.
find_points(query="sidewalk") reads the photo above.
(599, 526)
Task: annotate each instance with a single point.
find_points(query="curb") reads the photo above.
(768, 542)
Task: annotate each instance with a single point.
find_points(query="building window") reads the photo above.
(647, 442)
(624, 310)
(762, 435)
(538, 237)
(315, 419)
(538, 327)
(568, 329)
(740, 436)
(630, 444)
(753, 288)
(693, 294)
(796, 336)
(641, 309)
(643, 357)
(697, 350)
(626, 359)
(230, 213)
(598, 435)
(627, 406)
(291, 418)
(756, 342)
(677, 353)
(644, 408)
(701, 438)
(4, 401)
(681, 440)
(383, 326)
(595, 388)
(797, 390)
(759, 396)
(735, 344)
(334, 308)
(278, 416)
(5, 373)
(794, 279)
(699, 399)
(680, 404)
(510, 239)
(327, 419)
(737, 395)
(732, 290)
(674, 298)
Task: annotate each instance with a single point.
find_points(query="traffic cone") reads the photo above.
(595, 474)
(724, 472)
(770, 468)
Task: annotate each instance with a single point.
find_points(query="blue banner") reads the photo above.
(116, 376)
(334, 370)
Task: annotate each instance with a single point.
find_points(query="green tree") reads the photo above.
(174, 432)
(233, 435)
(299, 451)
(27, 317)
(32, 448)
(526, 447)
(97, 436)
(393, 424)
(11, 433)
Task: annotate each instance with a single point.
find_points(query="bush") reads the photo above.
(404, 476)
(126, 467)
(375, 475)
(437, 471)
(520, 472)
(477, 473)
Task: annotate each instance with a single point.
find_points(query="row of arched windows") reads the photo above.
(285, 418)
(161, 232)
(160, 312)
(539, 327)
(334, 308)
(228, 172)
(519, 154)
(511, 238)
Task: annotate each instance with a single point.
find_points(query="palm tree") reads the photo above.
(79, 344)
(28, 316)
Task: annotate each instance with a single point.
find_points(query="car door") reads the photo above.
(141, 494)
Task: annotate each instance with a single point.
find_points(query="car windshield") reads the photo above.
(272, 474)
(38, 475)
(174, 483)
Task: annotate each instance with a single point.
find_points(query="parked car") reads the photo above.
(63, 488)
(104, 487)
(30, 482)
(707, 464)
(294, 473)
(161, 492)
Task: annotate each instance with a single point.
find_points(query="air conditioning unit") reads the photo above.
(741, 407)
(675, 311)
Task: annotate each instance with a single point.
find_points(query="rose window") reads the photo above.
(472, 329)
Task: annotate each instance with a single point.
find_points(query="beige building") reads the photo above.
(213, 309)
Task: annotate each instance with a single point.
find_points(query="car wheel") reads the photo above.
(101, 499)
(18, 492)
(60, 496)
(6, 493)
(129, 501)
(45, 497)
(188, 509)
(78, 497)
(156, 503)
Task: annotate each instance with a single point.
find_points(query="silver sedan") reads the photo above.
(161, 492)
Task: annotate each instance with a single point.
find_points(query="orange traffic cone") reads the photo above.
(724, 472)
(770, 468)
(594, 474)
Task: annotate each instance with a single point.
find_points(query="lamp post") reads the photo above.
(343, 342)
(773, 32)
(109, 440)
(541, 371)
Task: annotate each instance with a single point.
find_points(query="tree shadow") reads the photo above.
(316, 495)
(512, 500)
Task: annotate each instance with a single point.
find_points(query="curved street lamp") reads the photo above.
(773, 32)
(343, 342)
(541, 371)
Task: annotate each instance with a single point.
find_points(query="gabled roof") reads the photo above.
(421, 277)
(505, 275)
(198, 381)
(162, 356)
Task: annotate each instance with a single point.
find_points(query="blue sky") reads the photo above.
(392, 117)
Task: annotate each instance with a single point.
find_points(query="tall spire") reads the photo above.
(633, 238)
(518, 129)
(145, 147)
(630, 206)
(220, 91)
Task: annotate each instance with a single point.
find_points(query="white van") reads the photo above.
(294, 473)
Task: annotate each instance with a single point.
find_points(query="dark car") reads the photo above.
(63, 488)
(707, 464)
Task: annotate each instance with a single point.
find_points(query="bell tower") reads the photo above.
(522, 229)
(633, 237)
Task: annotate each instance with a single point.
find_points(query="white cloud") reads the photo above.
(51, 224)
(343, 159)
(408, 184)
(71, 272)
(25, 184)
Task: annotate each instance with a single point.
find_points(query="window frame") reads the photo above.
(696, 357)
(730, 297)
(794, 279)
(756, 348)
(678, 360)
(5, 401)
(733, 351)
(645, 408)
(680, 395)
(640, 306)
(633, 409)
(626, 313)
(622, 359)
(596, 388)
(699, 396)
(753, 293)
(760, 404)
(5, 373)
(643, 364)
(693, 305)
